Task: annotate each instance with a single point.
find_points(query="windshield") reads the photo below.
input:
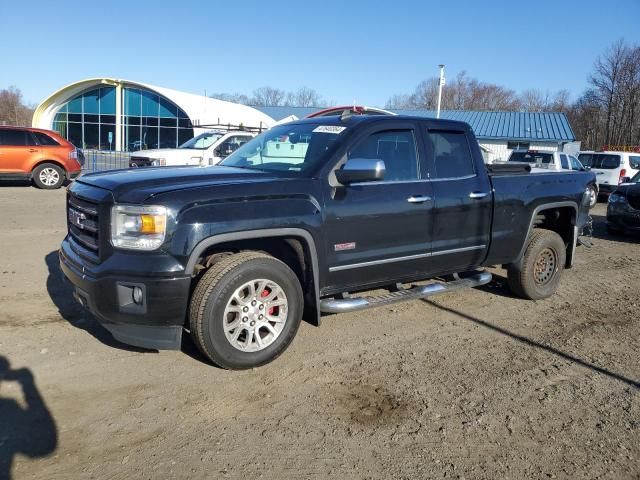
(541, 159)
(286, 148)
(603, 161)
(636, 178)
(202, 141)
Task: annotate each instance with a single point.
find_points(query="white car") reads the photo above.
(542, 161)
(206, 149)
(611, 168)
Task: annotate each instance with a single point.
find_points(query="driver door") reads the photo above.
(379, 232)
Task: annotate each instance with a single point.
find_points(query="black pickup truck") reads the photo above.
(302, 220)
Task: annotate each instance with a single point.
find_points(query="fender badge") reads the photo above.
(339, 247)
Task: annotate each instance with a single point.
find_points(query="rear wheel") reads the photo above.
(537, 274)
(245, 310)
(48, 176)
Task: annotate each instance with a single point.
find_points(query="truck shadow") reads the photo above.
(61, 293)
(28, 430)
(532, 343)
(497, 286)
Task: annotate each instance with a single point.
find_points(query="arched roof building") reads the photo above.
(114, 114)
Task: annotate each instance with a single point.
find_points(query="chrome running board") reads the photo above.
(339, 305)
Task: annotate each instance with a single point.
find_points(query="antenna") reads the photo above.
(440, 85)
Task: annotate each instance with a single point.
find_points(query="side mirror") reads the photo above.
(360, 170)
(625, 180)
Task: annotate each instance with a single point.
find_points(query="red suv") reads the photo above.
(39, 155)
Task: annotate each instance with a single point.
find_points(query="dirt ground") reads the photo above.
(472, 384)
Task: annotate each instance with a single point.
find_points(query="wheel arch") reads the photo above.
(295, 246)
(553, 216)
(57, 163)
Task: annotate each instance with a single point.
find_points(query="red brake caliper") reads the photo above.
(265, 293)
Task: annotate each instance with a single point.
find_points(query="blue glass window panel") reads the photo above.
(75, 105)
(132, 102)
(63, 109)
(167, 109)
(91, 102)
(149, 104)
(108, 101)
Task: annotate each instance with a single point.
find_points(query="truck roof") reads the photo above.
(353, 120)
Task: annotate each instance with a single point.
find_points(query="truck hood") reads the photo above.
(169, 153)
(137, 184)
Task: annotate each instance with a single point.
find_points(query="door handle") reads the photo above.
(418, 199)
(478, 194)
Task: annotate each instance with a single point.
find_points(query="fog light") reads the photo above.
(137, 295)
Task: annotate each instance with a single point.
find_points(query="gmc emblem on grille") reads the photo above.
(77, 218)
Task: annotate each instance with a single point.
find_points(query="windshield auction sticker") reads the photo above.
(329, 129)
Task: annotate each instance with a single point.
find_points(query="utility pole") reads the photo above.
(440, 85)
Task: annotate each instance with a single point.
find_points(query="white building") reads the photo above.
(113, 114)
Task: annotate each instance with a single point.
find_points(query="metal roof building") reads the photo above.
(498, 132)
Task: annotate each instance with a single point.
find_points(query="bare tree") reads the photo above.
(304, 97)
(232, 97)
(609, 112)
(268, 97)
(13, 110)
(460, 93)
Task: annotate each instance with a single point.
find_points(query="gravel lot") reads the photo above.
(472, 384)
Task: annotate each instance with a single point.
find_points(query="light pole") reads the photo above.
(440, 85)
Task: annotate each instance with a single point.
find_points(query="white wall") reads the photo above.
(498, 150)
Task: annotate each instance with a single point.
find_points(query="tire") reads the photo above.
(48, 176)
(593, 199)
(219, 300)
(537, 274)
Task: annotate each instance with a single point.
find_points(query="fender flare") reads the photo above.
(199, 249)
(546, 206)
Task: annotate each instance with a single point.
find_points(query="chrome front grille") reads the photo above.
(84, 226)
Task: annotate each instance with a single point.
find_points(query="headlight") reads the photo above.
(159, 162)
(138, 227)
(617, 198)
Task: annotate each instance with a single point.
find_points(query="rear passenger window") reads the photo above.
(634, 162)
(564, 162)
(45, 140)
(451, 154)
(16, 138)
(397, 148)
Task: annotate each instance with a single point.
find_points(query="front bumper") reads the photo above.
(623, 217)
(156, 322)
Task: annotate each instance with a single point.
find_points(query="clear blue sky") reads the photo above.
(347, 50)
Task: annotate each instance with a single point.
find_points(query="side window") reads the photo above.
(575, 164)
(16, 138)
(231, 144)
(634, 162)
(44, 140)
(564, 162)
(451, 154)
(397, 148)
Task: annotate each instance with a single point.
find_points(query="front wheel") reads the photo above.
(537, 275)
(245, 310)
(593, 196)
